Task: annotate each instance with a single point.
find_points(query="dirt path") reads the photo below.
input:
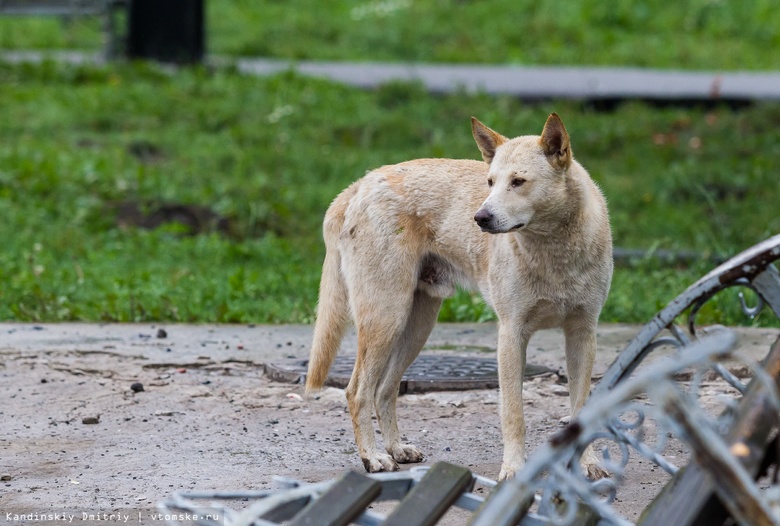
(77, 438)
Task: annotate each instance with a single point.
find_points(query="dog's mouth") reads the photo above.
(489, 230)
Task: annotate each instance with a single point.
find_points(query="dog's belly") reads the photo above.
(437, 277)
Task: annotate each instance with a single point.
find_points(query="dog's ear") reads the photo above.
(555, 142)
(487, 140)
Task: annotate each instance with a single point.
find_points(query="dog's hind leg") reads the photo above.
(419, 324)
(380, 318)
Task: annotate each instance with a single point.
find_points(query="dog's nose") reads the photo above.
(483, 217)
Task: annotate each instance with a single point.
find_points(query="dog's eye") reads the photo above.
(517, 182)
(490, 182)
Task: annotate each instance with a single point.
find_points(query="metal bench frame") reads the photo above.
(752, 269)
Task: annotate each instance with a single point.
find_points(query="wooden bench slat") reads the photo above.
(341, 504)
(432, 497)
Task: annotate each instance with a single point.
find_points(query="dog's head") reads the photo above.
(526, 176)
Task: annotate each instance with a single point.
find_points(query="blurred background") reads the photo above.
(132, 189)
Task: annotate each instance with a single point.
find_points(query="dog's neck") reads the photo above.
(563, 221)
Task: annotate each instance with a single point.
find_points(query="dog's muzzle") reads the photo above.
(484, 219)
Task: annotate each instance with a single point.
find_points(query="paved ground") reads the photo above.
(209, 419)
(527, 82)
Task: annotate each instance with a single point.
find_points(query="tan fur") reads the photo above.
(536, 244)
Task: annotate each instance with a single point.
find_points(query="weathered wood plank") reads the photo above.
(341, 504)
(431, 498)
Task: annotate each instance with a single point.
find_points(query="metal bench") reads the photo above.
(107, 10)
(425, 495)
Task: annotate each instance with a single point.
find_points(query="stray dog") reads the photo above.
(528, 228)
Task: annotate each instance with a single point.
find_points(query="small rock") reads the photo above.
(163, 412)
(5, 478)
(137, 387)
(90, 420)
(182, 370)
(44, 381)
(161, 333)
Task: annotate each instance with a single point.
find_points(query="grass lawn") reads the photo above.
(693, 34)
(80, 146)
(77, 144)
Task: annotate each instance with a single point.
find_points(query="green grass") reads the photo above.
(271, 153)
(696, 34)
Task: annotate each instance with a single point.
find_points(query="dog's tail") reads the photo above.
(333, 311)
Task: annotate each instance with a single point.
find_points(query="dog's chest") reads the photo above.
(551, 279)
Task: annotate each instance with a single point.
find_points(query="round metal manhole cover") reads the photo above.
(429, 372)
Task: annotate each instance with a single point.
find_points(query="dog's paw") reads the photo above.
(508, 472)
(594, 471)
(590, 465)
(379, 462)
(406, 454)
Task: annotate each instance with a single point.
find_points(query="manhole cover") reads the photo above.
(429, 372)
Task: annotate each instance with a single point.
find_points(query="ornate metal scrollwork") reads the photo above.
(752, 269)
(669, 410)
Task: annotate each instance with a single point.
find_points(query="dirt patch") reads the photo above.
(80, 436)
(214, 426)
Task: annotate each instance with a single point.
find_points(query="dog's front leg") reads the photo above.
(512, 343)
(580, 355)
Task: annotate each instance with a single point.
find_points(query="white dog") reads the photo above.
(528, 228)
